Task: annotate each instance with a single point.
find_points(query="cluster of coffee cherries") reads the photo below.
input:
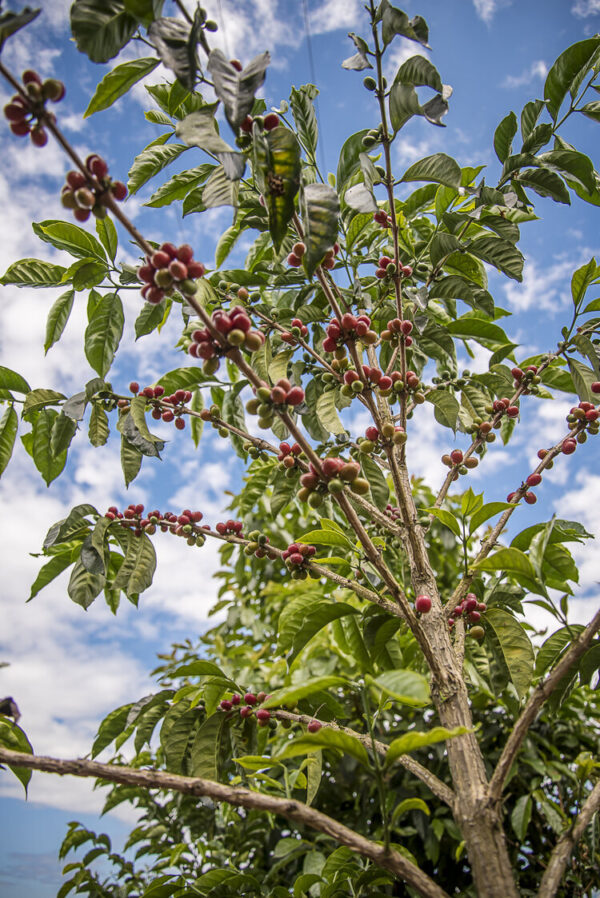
(235, 327)
(458, 463)
(267, 122)
(472, 609)
(296, 557)
(398, 329)
(531, 498)
(287, 454)
(585, 414)
(229, 527)
(258, 545)
(169, 267)
(375, 439)
(157, 400)
(387, 268)
(186, 524)
(87, 194)
(349, 327)
(246, 704)
(282, 397)
(505, 407)
(298, 329)
(336, 473)
(382, 218)
(294, 259)
(26, 113)
(528, 379)
(354, 383)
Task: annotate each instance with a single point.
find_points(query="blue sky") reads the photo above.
(69, 668)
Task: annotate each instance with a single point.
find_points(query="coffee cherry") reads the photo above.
(423, 604)
(39, 136)
(271, 121)
(477, 632)
(250, 698)
(263, 714)
(314, 726)
(180, 423)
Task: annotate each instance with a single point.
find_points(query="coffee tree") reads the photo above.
(372, 717)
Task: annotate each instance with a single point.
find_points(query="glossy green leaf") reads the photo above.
(320, 217)
(583, 378)
(136, 573)
(57, 318)
(326, 538)
(206, 752)
(291, 695)
(150, 161)
(509, 560)
(219, 190)
(439, 168)
(101, 28)
(131, 461)
(405, 686)
(445, 408)
(328, 414)
(409, 804)
(111, 727)
(503, 136)
(11, 735)
(325, 738)
(118, 81)
(414, 739)
(529, 116)
(48, 464)
(178, 187)
(447, 519)
(349, 159)
(183, 379)
(8, 434)
(103, 333)
(11, 22)
(395, 22)
(49, 571)
(226, 243)
(98, 427)
(515, 644)
(71, 238)
(566, 72)
(521, 815)
(305, 116)
(486, 512)
(199, 129)
(546, 183)
(552, 648)
(11, 380)
(63, 431)
(502, 254)
(236, 90)
(176, 42)
(277, 169)
(418, 70)
(84, 586)
(75, 524)
(33, 273)
(380, 490)
(404, 103)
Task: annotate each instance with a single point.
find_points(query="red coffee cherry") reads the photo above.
(314, 726)
(423, 604)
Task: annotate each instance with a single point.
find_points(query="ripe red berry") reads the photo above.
(372, 433)
(14, 112)
(295, 396)
(595, 387)
(29, 76)
(534, 479)
(134, 386)
(423, 604)
(250, 698)
(226, 705)
(83, 215)
(568, 447)
(511, 497)
(271, 121)
(180, 423)
(178, 270)
(294, 261)
(456, 456)
(39, 136)
(263, 714)
(530, 498)
(512, 411)
(236, 64)
(235, 699)
(246, 711)
(385, 382)
(314, 726)
(246, 125)
(118, 190)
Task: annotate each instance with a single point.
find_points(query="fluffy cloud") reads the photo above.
(584, 8)
(546, 286)
(537, 69)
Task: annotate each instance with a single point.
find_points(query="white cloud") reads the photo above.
(545, 287)
(485, 9)
(584, 8)
(334, 14)
(537, 69)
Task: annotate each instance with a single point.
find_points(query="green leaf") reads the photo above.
(278, 366)
(305, 117)
(320, 216)
(552, 648)
(503, 136)
(98, 428)
(111, 727)
(349, 159)
(418, 70)
(176, 43)
(405, 686)
(566, 73)
(11, 735)
(107, 233)
(591, 110)
(196, 423)
(131, 460)
(486, 512)
(33, 273)
(512, 561)
(447, 519)
(409, 804)
(414, 739)
(150, 317)
(439, 168)
(326, 538)
(445, 407)
(581, 280)
(502, 254)
(377, 481)
(468, 328)
(583, 377)
(529, 116)
(49, 465)
(57, 318)
(327, 413)
(219, 190)
(8, 435)
(359, 61)
(546, 183)
(118, 81)
(515, 644)
(71, 526)
(177, 187)
(236, 90)
(63, 431)
(303, 617)
(206, 751)
(103, 333)
(226, 243)
(404, 103)
(136, 573)
(394, 21)
(84, 586)
(277, 169)
(71, 238)
(11, 22)
(183, 379)
(11, 380)
(199, 129)
(150, 161)
(520, 817)
(325, 738)
(101, 28)
(37, 399)
(49, 571)
(291, 695)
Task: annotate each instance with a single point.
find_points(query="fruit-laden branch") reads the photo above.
(239, 797)
(440, 789)
(539, 695)
(553, 873)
